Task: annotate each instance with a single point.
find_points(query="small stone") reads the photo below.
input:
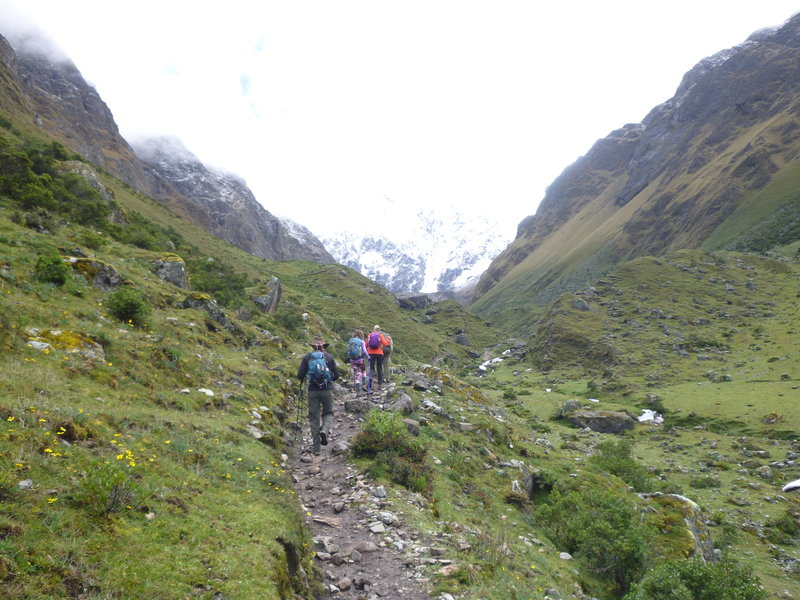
(344, 584)
(387, 518)
(377, 527)
(366, 546)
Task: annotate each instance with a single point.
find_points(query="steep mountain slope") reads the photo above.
(51, 92)
(706, 168)
(233, 214)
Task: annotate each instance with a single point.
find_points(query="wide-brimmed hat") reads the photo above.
(318, 341)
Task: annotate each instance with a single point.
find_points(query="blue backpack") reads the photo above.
(319, 374)
(354, 350)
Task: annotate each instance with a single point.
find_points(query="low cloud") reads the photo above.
(25, 36)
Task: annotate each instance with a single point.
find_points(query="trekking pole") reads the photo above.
(298, 400)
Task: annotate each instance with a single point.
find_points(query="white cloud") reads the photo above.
(326, 108)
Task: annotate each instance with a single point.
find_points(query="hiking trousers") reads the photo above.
(359, 373)
(387, 369)
(376, 360)
(320, 407)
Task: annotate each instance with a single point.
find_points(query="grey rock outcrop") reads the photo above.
(602, 421)
(269, 297)
(100, 274)
(229, 209)
(172, 269)
(207, 304)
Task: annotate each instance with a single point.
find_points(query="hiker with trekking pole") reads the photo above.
(318, 370)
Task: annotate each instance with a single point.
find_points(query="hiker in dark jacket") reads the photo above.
(319, 369)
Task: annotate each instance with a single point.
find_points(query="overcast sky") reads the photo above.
(329, 107)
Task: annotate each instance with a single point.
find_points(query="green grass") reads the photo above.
(135, 473)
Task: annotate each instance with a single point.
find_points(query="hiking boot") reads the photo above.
(323, 438)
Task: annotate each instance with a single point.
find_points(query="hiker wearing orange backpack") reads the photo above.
(375, 343)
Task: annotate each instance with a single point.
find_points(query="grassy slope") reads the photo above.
(115, 468)
(213, 507)
(645, 317)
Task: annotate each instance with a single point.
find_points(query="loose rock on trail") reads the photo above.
(361, 542)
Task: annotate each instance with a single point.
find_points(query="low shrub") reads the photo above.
(695, 580)
(704, 481)
(129, 305)
(615, 458)
(784, 528)
(108, 488)
(51, 268)
(395, 452)
(603, 531)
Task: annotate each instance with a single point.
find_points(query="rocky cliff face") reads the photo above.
(703, 169)
(52, 92)
(62, 103)
(232, 212)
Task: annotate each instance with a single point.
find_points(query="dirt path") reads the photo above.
(361, 543)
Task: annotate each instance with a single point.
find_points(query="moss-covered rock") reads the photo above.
(72, 342)
(100, 274)
(171, 268)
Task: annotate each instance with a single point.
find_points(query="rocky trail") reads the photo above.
(363, 546)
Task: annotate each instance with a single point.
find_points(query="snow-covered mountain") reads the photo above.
(419, 251)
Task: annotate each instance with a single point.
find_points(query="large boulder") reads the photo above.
(602, 421)
(404, 404)
(701, 542)
(413, 300)
(269, 297)
(100, 274)
(172, 269)
(207, 304)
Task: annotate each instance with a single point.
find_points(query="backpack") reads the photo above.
(374, 340)
(354, 350)
(319, 374)
(387, 349)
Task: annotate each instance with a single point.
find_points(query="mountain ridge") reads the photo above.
(55, 97)
(664, 184)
